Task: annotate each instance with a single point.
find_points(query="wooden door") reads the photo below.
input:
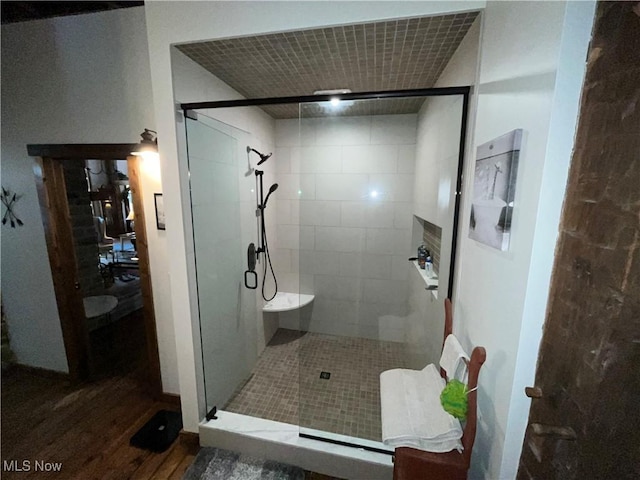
(584, 421)
(52, 193)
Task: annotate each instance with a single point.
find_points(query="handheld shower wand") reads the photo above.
(263, 156)
(272, 189)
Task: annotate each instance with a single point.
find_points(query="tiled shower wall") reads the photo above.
(343, 221)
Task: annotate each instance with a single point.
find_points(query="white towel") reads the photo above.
(450, 360)
(412, 415)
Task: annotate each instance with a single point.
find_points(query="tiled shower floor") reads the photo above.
(348, 403)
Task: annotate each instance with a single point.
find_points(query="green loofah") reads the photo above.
(454, 399)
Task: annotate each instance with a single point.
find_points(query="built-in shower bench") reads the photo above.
(286, 301)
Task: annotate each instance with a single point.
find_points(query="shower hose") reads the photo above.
(267, 256)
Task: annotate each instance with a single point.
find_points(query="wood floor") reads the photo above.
(85, 428)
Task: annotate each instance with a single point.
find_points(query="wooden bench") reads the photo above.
(414, 464)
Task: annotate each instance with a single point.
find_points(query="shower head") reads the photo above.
(263, 157)
(272, 189)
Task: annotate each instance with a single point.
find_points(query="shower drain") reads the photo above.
(325, 375)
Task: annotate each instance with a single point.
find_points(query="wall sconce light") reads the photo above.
(148, 146)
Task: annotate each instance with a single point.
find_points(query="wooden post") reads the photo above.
(155, 380)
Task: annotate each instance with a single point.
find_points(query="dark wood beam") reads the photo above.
(108, 151)
(24, 11)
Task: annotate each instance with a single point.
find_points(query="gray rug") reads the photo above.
(218, 464)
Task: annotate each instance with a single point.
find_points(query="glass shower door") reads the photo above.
(224, 304)
(377, 181)
(355, 239)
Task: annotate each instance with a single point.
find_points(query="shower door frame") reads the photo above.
(464, 91)
(189, 111)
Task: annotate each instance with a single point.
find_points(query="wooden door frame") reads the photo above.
(54, 209)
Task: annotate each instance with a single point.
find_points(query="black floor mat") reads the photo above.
(159, 432)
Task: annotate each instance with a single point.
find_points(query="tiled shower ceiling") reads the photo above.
(391, 55)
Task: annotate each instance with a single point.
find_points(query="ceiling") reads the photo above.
(23, 11)
(390, 55)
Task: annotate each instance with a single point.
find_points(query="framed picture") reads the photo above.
(159, 201)
(494, 190)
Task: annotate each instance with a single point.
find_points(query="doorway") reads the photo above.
(97, 246)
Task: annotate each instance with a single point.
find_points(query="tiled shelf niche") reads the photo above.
(431, 236)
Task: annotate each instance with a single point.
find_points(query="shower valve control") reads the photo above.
(251, 268)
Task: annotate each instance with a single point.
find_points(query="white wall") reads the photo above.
(350, 248)
(78, 79)
(178, 22)
(500, 297)
(519, 63)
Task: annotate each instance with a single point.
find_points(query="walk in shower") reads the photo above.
(341, 225)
